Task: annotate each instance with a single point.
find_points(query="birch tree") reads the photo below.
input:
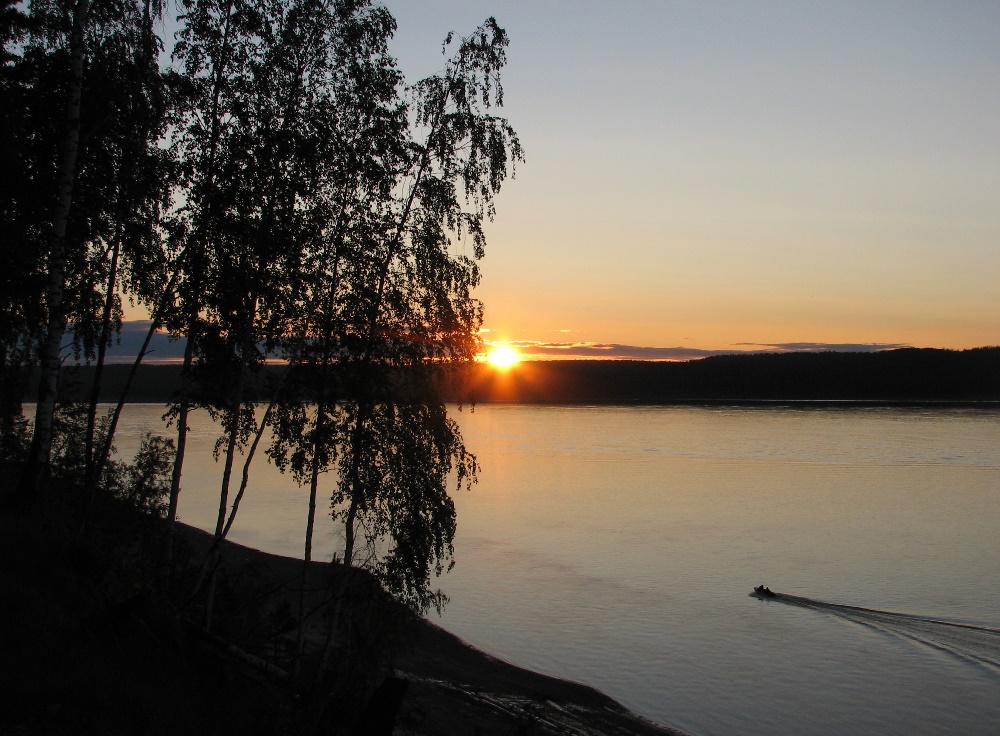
(399, 307)
(65, 49)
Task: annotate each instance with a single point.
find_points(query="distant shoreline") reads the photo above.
(907, 377)
(779, 403)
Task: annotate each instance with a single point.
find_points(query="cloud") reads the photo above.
(161, 348)
(823, 347)
(615, 351)
(164, 350)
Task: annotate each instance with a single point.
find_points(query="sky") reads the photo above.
(710, 177)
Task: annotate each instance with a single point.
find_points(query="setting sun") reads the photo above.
(503, 356)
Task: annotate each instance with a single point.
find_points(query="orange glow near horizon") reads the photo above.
(503, 357)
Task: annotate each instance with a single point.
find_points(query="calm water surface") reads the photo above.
(616, 546)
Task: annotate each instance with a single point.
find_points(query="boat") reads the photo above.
(763, 592)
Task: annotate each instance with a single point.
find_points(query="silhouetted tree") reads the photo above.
(297, 69)
(356, 146)
(279, 191)
(132, 191)
(393, 304)
(421, 314)
(21, 286)
(211, 50)
(62, 176)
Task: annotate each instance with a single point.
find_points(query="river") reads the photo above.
(616, 546)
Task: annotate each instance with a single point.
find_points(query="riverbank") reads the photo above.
(452, 687)
(88, 648)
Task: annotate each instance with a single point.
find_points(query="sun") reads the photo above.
(503, 357)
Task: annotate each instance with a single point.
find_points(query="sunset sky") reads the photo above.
(735, 175)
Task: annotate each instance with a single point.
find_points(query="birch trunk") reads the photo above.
(35, 476)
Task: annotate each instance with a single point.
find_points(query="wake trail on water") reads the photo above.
(977, 644)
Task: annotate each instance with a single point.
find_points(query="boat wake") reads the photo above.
(977, 644)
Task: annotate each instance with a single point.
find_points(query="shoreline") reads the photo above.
(451, 686)
(91, 645)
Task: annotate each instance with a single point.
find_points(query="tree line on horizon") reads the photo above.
(275, 189)
(906, 375)
(902, 375)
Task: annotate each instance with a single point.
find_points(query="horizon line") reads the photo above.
(165, 349)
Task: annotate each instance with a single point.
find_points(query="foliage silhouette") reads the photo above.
(277, 192)
(80, 92)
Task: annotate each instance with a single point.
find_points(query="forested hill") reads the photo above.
(898, 375)
(906, 375)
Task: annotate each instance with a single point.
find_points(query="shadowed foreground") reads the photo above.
(85, 654)
(453, 688)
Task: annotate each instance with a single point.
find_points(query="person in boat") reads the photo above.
(763, 590)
